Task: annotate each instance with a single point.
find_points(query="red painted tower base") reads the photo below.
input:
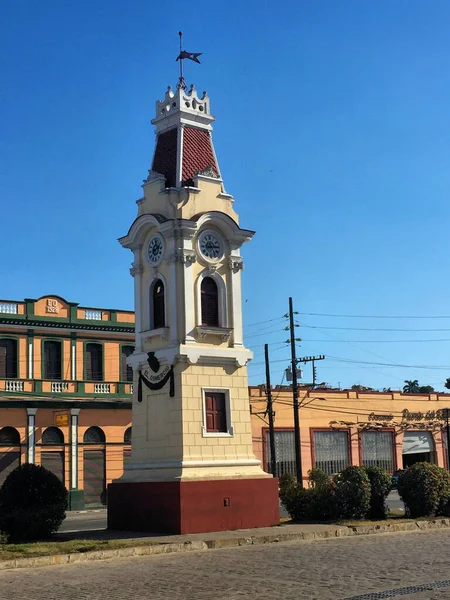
(193, 506)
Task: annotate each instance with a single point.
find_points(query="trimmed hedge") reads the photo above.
(380, 485)
(353, 492)
(346, 496)
(425, 490)
(33, 504)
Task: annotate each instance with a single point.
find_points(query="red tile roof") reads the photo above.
(165, 159)
(197, 153)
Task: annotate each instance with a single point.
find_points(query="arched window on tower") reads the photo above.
(209, 302)
(158, 318)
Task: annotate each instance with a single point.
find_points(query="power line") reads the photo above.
(381, 341)
(371, 328)
(263, 322)
(397, 365)
(262, 333)
(310, 314)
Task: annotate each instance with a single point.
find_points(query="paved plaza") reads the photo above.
(404, 565)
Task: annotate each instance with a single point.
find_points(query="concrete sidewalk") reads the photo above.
(161, 544)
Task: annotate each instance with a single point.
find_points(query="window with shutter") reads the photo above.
(215, 411)
(94, 362)
(126, 370)
(158, 312)
(209, 302)
(8, 358)
(52, 360)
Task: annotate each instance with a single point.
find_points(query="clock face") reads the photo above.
(210, 245)
(155, 249)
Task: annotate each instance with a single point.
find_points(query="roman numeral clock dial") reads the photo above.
(155, 249)
(210, 246)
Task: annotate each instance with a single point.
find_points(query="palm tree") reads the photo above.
(411, 386)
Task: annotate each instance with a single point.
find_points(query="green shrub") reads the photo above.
(318, 478)
(325, 503)
(288, 489)
(353, 493)
(380, 484)
(425, 490)
(33, 503)
(310, 504)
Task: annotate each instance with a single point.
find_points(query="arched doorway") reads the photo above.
(418, 446)
(52, 453)
(94, 467)
(9, 451)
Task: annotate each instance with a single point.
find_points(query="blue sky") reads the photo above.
(332, 134)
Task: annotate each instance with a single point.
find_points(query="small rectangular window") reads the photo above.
(216, 412)
(52, 360)
(94, 315)
(94, 362)
(8, 358)
(126, 370)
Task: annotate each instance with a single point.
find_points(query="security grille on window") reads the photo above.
(209, 302)
(8, 358)
(158, 309)
(94, 435)
(127, 371)
(284, 452)
(378, 449)
(331, 451)
(9, 436)
(52, 360)
(94, 362)
(52, 436)
(215, 410)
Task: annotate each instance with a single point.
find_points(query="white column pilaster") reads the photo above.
(73, 349)
(74, 412)
(236, 265)
(136, 271)
(171, 291)
(188, 257)
(31, 434)
(30, 358)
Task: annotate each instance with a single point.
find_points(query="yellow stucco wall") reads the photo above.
(51, 306)
(348, 410)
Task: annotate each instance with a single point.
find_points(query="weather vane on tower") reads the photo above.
(183, 54)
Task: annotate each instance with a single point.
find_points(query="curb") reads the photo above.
(155, 548)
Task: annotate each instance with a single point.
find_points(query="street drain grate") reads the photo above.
(404, 591)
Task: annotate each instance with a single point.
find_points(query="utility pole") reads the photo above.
(298, 452)
(312, 359)
(273, 463)
(447, 411)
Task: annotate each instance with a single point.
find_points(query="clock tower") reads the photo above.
(192, 465)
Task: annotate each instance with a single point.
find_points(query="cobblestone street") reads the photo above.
(411, 565)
